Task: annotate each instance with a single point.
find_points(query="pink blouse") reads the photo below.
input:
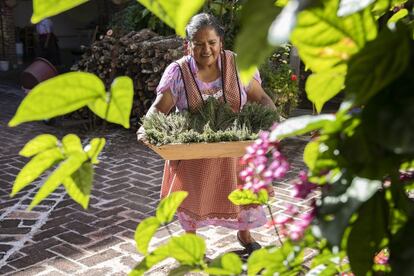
(171, 79)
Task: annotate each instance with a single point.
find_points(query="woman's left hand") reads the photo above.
(258, 95)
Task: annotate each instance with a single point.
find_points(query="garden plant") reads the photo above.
(361, 161)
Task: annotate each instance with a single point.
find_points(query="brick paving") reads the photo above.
(60, 238)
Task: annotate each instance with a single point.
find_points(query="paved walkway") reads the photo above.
(60, 238)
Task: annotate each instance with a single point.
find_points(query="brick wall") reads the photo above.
(9, 33)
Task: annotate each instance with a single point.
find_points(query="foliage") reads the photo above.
(214, 122)
(279, 81)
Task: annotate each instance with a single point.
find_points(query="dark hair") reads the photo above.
(200, 21)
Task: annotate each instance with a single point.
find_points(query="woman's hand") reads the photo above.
(258, 95)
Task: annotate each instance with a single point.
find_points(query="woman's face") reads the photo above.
(205, 46)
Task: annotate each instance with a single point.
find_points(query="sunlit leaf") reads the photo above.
(182, 270)
(150, 260)
(79, 184)
(227, 264)
(119, 109)
(243, 197)
(94, 149)
(251, 43)
(71, 143)
(38, 144)
(188, 249)
(168, 206)
(144, 232)
(396, 17)
(347, 7)
(175, 13)
(262, 196)
(59, 95)
(300, 125)
(32, 170)
(65, 169)
(311, 153)
(47, 8)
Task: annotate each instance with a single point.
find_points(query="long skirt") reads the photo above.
(209, 183)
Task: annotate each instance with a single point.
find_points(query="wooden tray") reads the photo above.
(201, 150)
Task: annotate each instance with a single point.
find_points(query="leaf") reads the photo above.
(79, 184)
(402, 250)
(38, 144)
(243, 197)
(174, 13)
(181, 270)
(120, 104)
(311, 153)
(144, 232)
(150, 260)
(188, 249)
(35, 168)
(251, 42)
(94, 148)
(65, 169)
(324, 85)
(387, 55)
(300, 125)
(71, 143)
(227, 264)
(396, 17)
(347, 7)
(59, 95)
(262, 196)
(283, 24)
(324, 40)
(340, 203)
(47, 8)
(368, 234)
(168, 206)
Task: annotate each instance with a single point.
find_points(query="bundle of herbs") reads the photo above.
(214, 122)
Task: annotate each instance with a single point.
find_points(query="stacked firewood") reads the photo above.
(141, 55)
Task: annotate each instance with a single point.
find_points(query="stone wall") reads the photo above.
(9, 39)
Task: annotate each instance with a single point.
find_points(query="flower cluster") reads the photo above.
(265, 163)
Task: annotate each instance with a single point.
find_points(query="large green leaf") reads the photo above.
(378, 64)
(251, 43)
(325, 40)
(300, 125)
(243, 197)
(71, 143)
(324, 85)
(402, 250)
(144, 232)
(59, 95)
(227, 264)
(79, 184)
(150, 260)
(168, 206)
(311, 153)
(40, 163)
(347, 7)
(368, 234)
(65, 169)
(188, 249)
(38, 144)
(182, 270)
(120, 102)
(175, 13)
(94, 148)
(340, 203)
(47, 8)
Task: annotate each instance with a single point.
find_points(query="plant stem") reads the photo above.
(274, 226)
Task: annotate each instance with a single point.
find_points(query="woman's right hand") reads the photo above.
(141, 136)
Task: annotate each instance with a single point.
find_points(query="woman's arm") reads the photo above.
(258, 95)
(163, 103)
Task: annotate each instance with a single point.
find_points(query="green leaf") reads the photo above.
(300, 125)
(120, 104)
(158, 255)
(380, 61)
(175, 13)
(311, 153)
(243, 197)
(402, 250)
(188, 249)
(368, 234)
(79, 184)
(71, 143)
(168, 206)
(262, 196)
(59, 95)
(340, 203)
(47, 8)
(38, 144)
(144, 232)
(36, 167)
(347, 7)
(324, 85)
(94, 148)
(181, 270)
(251, 42)
(227, 264)
(396, 17)
(65, 169)
(325, 40)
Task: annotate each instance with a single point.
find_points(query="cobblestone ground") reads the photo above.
(60, 238)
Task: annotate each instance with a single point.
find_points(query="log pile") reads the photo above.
(141, 55)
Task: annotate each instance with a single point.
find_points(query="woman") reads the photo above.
(208, 71)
